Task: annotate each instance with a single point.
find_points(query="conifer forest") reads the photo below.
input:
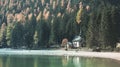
(39, 23)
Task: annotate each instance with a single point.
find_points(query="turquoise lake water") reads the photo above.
(55, 61)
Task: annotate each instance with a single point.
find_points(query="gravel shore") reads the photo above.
(110, 55)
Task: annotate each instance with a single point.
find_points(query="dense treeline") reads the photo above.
(40, 23)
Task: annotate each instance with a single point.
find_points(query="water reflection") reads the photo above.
(65, 60)
(36, 62)
(76, 61)
(55, 61)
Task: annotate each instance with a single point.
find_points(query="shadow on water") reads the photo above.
(54, 61)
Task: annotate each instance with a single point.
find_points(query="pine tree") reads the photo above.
(30, 26)
(56, 30)
(17, 39)
(44, 33)
(9, 31)
(104, 28)
(52, 35)
(90, 33)
(3, 41)
(114, 26)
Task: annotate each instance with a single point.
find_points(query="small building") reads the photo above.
(77, 42)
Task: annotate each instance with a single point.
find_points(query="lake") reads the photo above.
(55, 61)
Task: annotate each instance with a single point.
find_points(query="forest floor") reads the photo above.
(61, 52)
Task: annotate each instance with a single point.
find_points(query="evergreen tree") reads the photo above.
(56, 30)
(30, 26)
(9, 31)
(44, 33)
(104, 28)
(52, 35)
(90, 33)
(70, 29)
(3, 41)
(17, 39)
(114, 26)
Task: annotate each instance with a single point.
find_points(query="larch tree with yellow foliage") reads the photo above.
(79, 13)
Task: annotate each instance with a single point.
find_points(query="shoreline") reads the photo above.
(109, 55)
